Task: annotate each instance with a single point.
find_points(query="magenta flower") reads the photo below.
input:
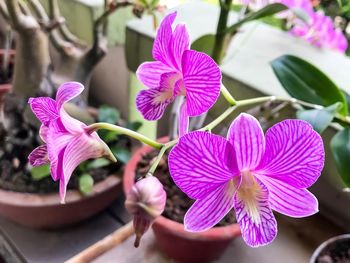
(250, 173)
(68, 143)
(320, 32)
(177, 71)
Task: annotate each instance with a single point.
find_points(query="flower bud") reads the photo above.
(145, 201)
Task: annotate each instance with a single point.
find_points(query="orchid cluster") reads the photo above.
(248, 172)
(317, 28)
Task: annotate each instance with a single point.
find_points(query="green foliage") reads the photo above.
(40, 172)
(121, 153)
(266, 11)
(304, 81)
(319, 119)
(135, 125)
(204, 44)
(340, 146)
(86, 183)
(108, 114)
(98, 163)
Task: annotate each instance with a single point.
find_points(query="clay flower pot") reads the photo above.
(171, 237)
(333, 247)
(45, 210)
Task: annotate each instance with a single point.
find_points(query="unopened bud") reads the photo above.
(145, 201)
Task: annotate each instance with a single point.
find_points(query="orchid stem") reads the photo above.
(125, 131)
(227, 95)
(160, 155)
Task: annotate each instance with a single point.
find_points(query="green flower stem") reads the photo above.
(125, 131)
(227, 95)
(160, 156)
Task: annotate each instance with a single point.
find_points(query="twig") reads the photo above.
(104, 245)
(19, 21)
(24, 8)
(3, 11)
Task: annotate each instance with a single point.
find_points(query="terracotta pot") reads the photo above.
(171, 237)
(45, 210)
(334, 241)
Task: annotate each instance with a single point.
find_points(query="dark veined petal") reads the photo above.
(161, 47)
(206, 213)
(201, 162)
(183, 119)
(149, 73)
(294, 153)
(202, 78)
(246, 135)
(44, 108)
(254, 215)
(288, 200)
(179, 43)
(68, 91)
(38, 156)
(79, 149)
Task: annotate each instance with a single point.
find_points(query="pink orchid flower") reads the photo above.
(320, 32)
(177, 71)
(250, 173)
(67, 142)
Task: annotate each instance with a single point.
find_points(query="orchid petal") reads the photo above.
(184, 120)
(161, 46)
(43, 132)
(153, 102)
(206, 213)
(79, 149)
(202, 78)
(201, 162)
(246, 135)
(68, 91)
(38, 156)
(289, 200)
(253, 214)
(294, 153)
(44, 108)
(72, 125)
(179, 43)
(149, 73)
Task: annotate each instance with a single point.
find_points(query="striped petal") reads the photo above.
(38, 156)
(202, 78)
(161, 46)
(179, 43)
(44, 108)
(246, 135)
(149, 73)
(201, 162)
(254, 215)
(68, 91)
(206, 213)
(184, 120)
(294, 153)
(289, 200)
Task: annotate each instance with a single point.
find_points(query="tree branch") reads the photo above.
(3, 11)
(24, 8)
(19, 21)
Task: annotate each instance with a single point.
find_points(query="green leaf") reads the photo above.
(268, 10)
(108, 114)
(319, 119)
(347, 99)
(98, 163)
(304, 81)
(204, 44)
(123, 155)
(340, 146)
(40, 172)
(108, 136)
(86, 183)
(135, 125)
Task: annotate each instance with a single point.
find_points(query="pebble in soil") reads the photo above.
(177, 202)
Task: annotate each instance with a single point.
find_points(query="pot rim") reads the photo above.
(325, 244)
(219, 233)
(24, 200)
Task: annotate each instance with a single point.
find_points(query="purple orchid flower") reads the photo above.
(320, 32)
(249, 172)
(177, 71)
(67, 142)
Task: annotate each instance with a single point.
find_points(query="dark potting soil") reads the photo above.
(15, 171)
(336, 252)
(177, 202)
